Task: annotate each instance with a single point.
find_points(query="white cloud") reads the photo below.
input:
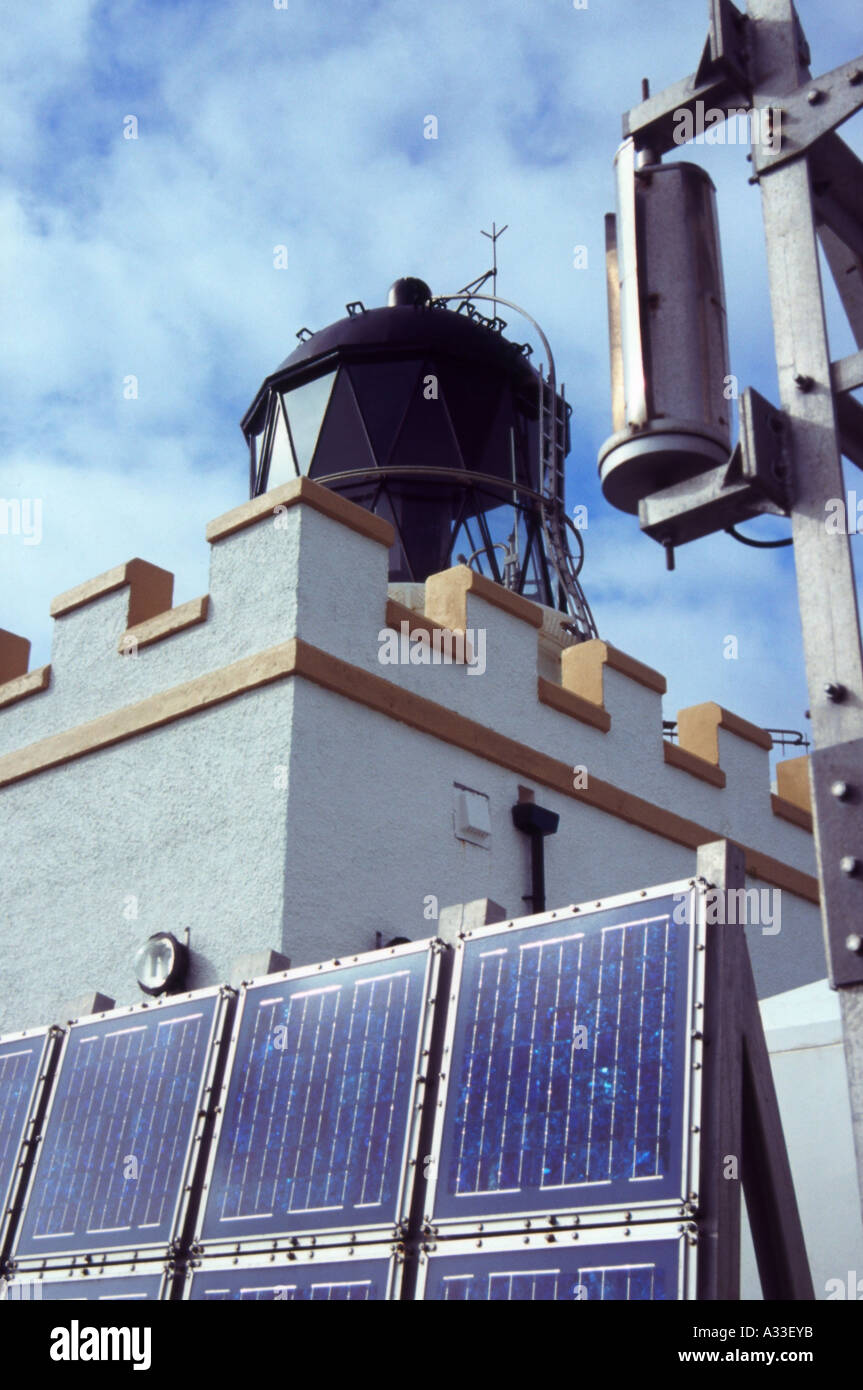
(257, 127)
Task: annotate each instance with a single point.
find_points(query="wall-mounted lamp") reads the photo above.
(161, 964)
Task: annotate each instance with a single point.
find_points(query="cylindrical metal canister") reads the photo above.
(669, 340)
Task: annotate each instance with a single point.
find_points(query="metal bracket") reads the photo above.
(721, 81)
(836, 779)
(812, 111)
(846, 376)
(804, 53)
(653, 123)
(751, 482)
(837, 189)
(725, 53)
(849, 418)
(846, 267)
(763, 442)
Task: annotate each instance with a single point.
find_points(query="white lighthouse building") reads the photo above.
(325, 751)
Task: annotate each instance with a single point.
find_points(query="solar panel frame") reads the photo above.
(298, 1232)
(492, 1215)
(217, 1003)
(41, 1046)
(668, 1245)
(101, 1282)
(349, 1267)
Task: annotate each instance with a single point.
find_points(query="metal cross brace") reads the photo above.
(811, 186)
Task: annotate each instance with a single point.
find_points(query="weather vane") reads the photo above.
(493, 236)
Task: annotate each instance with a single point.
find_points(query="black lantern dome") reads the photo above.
(430, 418)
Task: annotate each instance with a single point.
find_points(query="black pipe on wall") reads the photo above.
(536, 822)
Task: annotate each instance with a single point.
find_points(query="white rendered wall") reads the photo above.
(179, 828)
(804, 1037)
(295, 818)
(386, 819)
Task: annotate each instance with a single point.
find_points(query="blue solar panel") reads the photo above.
(112, 1288)
(616, 1270)
(112, 1165)
(315, 1120)
(21, 1060)
(340, 1281)
(568, 1065)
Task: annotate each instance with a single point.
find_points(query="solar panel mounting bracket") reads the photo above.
(740, 1115)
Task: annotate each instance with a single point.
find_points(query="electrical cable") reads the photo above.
(757, 545)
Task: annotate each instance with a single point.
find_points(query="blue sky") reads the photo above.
(303, 127)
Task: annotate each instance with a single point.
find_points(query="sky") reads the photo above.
(299, 125)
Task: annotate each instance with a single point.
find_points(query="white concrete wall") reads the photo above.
(385, 793)
(179, 828)
(295, 818)
(804, 1037)
(186, 822)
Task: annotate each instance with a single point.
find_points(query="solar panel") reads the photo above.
(320, 1110)
(113, 1285)
(656, 1264)
(24, 1060)
(333, 1276)
(567, 1062)
(114, 1164)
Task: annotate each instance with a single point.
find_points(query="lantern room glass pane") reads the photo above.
(258, 463)
(305, 407)
(473, 403)
(426, 438)
(282, 467)
(383, 396)
(535, 586)
(342, 443)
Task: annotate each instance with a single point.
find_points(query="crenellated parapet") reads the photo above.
(17, 681)
(298, 591)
